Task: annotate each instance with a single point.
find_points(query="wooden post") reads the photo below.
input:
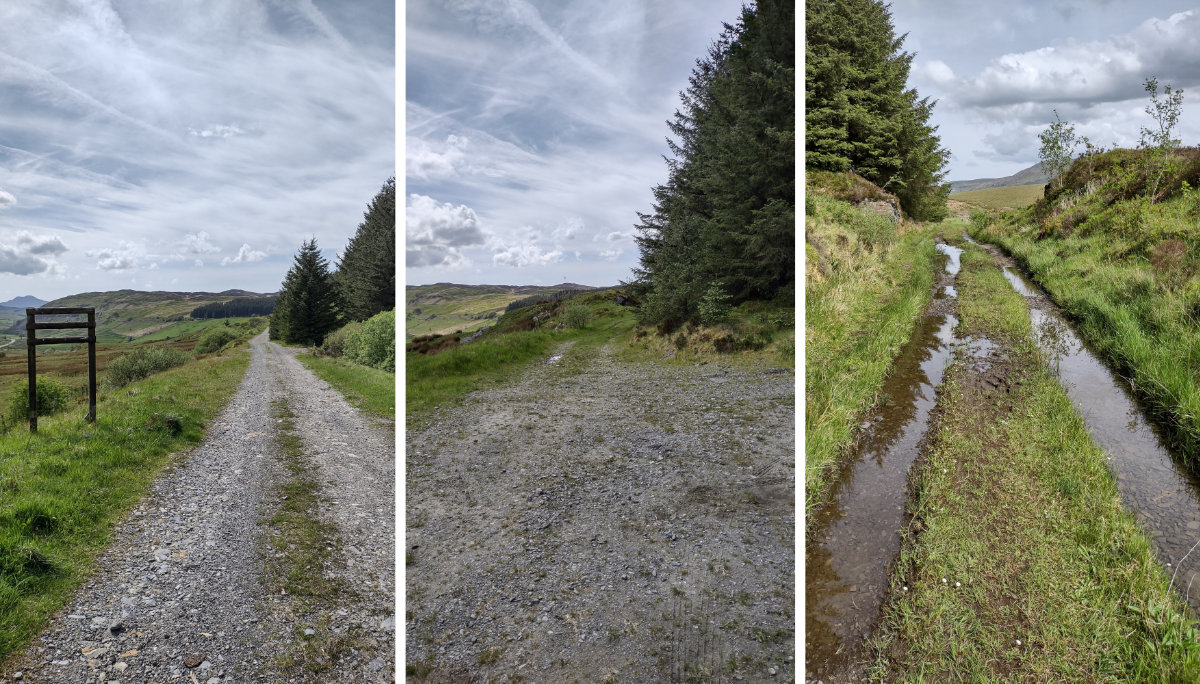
(91, 415)
(31, 345)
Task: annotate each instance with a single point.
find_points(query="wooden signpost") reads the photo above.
(32, 342)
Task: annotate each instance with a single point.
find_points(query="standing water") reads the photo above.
(1154, 482)
(856, 536)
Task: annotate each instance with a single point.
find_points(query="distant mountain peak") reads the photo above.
(1033, 175)
(23, 302)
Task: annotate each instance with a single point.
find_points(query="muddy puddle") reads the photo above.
(1154, 482)
(856, 537)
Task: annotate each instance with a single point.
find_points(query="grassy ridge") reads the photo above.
(867, 281)
(1010, 197)
(1022, 564)
(1128, 271)
(63, 488)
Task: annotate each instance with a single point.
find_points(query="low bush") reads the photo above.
(52, 397)
(214, 339)
(335, 342)
(142, 363)
(576, 315)
(374, 343)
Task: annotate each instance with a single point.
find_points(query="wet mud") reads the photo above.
(855, 537)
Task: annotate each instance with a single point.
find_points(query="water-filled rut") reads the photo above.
(855, 537)
(1154, 482)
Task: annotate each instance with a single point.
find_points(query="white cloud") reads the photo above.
(526, 255)
(198, 243)
(423, 161)
(26, 254)
(245, 255)
(6, 199)
(217, 131)
(123, 258)
(436, 233)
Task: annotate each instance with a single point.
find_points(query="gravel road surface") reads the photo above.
(180, 595)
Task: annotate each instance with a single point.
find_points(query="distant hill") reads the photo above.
(134, 314)
(446, 307)
(23, 302)
(1033, 175)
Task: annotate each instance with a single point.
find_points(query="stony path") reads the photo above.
(179, 594)
(606, 521)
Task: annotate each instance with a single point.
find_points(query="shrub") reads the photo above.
(714, 305)
(335, 342)
(576, 316)
(142, 363)
(51, 398)
(374, 344)
(214, 339)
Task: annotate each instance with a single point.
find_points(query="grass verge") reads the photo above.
(63, 488)
(366, 388)
(301, 545)
(867, 281)
(1020, 563)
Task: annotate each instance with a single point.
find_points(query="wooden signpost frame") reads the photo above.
(32, 343)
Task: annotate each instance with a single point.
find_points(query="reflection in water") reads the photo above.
(1154, 482)
(857, 536)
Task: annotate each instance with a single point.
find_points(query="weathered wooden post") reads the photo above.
(32, 342)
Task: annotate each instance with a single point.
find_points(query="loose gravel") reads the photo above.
(605, 521)
(180, 596)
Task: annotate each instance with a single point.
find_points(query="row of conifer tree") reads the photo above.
(315, 300)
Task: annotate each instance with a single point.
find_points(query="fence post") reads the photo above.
(91, 324)
(31, 345)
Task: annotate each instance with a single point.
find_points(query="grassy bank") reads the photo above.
(867, 280)
(1127, 270)
(1020, 563)
(62, 489)
(366, 388)
(1008, 197)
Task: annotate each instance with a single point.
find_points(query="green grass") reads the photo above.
(1128, 272)
(867, 281)
(1019, 535)
(369, 389)
(62, 489)
(1010, 197)
(189, 327)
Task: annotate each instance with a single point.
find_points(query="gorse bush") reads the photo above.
(214, 339)
(52, 397)
(374, 343)
(143, 363)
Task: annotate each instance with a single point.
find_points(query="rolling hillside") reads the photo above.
(1030, 176)
(132, 315)
(445, 307)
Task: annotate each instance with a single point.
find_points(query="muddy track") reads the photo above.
(606, 521)
(179, 595)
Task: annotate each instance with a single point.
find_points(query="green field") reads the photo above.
(1011, 197)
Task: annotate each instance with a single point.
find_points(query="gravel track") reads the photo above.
(179, 594)
(606, 521)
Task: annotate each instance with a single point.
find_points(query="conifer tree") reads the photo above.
(307, 306)
(859, 114)
(722, 225)
(366, 275)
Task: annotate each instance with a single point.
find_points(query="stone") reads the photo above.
(192, 660)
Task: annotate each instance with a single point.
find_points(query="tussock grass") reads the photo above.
(1021, 563)
(1010, 197)
(867, 281)
(62, 489)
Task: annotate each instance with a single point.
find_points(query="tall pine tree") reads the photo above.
(724, 222)
(366, 275)
(859, 114)
(307, 306)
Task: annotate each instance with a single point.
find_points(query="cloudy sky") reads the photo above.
(535, 131)
(153, 145)
(999, 69)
